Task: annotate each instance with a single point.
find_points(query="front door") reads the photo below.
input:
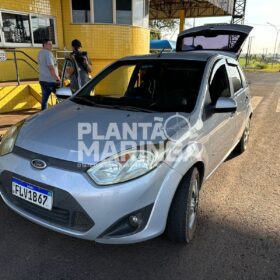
(219, 127)
(70, 75)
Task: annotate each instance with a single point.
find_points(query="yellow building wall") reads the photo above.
(105, 43)
(42, 7)
(8, 69)
(116, 83)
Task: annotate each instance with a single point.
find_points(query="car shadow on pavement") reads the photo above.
(220, 250)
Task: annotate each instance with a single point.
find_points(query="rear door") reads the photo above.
(224, 37)
(240, 92)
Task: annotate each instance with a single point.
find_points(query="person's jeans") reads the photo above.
(47, 89)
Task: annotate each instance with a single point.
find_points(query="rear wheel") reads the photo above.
(243, 143)
(183, 213)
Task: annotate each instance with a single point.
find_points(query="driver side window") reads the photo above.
(219, 86)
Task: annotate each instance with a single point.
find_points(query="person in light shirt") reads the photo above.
(48, 77)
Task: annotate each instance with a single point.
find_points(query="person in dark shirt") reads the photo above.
(80, 74)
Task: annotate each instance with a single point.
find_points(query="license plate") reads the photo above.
(33, 194)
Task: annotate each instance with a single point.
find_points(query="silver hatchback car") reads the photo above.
(123, 159)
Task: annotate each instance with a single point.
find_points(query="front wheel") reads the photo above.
(183, 213)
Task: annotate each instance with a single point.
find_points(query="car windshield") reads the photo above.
(163, 85)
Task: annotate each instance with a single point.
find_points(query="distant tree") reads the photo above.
(155, 35)
(159, 26)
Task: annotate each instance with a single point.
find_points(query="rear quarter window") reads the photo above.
(243, 77)
(235, 78)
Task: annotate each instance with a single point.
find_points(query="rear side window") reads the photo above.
(243, 77)
(235, 78)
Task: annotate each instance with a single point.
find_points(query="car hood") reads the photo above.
(55, 132)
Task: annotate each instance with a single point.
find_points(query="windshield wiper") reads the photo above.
(86, 101)
(132, 108)
(83, 101)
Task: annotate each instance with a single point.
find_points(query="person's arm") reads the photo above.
(53, 73)
(89, 68)
(88, 64)
(50, 64)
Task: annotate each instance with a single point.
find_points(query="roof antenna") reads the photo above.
(159, 55)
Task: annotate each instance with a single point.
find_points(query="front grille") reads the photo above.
(56, 215)
(66, 211)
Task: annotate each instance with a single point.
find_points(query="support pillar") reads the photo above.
(182, 20)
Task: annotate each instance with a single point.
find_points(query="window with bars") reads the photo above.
(128, 12)
(20, 29)
(81, 11)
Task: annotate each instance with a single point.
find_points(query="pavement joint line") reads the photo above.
(256, 100)
(276, 91)
(278, 106)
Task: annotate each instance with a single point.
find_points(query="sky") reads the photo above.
(258, 14)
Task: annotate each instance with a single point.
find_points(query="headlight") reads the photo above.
(124, 166)
(9, 139)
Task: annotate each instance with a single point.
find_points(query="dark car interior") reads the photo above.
(167, 86)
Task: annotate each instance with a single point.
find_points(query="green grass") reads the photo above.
(242, 61)
(257, 65)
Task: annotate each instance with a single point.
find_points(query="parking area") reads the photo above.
(237, 237)
(8, 119)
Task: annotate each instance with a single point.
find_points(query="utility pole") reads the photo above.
(276, 39)
(263, 55)
(248, 51)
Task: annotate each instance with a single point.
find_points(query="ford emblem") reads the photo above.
(38, 164)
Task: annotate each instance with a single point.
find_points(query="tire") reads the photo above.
(243, 143)
(183, 213)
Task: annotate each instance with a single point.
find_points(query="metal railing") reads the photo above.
(60, 57)
(31, 62)
(27, 59)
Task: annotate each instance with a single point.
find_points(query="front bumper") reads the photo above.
(66, 211)
(101, 207)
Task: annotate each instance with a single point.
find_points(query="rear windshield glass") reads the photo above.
(167, 86)
(220, 42)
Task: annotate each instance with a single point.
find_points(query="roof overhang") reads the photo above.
(170, 9)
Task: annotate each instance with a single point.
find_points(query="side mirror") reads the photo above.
(225, 105)
(63, 93)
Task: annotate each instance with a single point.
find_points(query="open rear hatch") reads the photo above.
(220, 37)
